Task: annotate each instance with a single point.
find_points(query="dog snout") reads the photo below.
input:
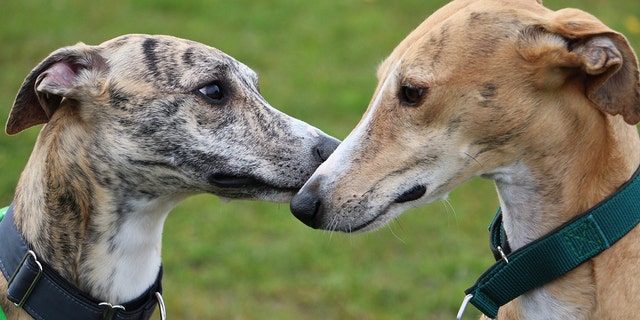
(324, 148)
(306, 206)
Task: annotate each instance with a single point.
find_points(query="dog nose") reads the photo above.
(325, 148)
(306, 207)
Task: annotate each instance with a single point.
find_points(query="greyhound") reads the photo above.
(542, 102)
(134, 126)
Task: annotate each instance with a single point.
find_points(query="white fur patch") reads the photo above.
(132, 259)
(538, 304)
(517, 199)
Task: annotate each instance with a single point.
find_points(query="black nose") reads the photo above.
(325, 148)
(306, 207)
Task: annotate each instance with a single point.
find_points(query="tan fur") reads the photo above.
(542, 102)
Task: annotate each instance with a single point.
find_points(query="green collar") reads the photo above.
(556, 253)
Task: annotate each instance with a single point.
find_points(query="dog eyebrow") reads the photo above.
(199, 75)
(413, 75)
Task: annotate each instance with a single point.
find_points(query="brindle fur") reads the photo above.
(128, 136)
(544, 103)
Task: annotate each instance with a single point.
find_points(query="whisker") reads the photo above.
(332, 227)
(395, 235)
(450, 210)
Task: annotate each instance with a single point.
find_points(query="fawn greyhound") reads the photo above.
(542, 102)
(134, 126)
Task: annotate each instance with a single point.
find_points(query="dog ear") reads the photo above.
(603, 56)
(55, 78)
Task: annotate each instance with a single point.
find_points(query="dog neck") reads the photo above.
(102, 236)
(538, 196)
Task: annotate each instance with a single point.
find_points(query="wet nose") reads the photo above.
(306, 204)
(325, 147)
(306, 207)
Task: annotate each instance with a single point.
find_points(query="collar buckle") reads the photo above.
(24, 279)
(110, 310)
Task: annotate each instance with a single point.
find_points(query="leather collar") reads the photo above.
(44, 294)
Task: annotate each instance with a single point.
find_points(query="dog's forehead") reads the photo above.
(180, 61)
(462, 24)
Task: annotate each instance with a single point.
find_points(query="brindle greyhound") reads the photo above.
(134, 126)
(544, 103)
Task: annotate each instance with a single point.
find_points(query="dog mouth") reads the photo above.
(411, 194)
(236, 186)
(371, 224)
(233, 181)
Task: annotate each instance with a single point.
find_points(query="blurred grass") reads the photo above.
(316, 60)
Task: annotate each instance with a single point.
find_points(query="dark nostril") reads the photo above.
(412, 194)
(325, 148)
(306, 207)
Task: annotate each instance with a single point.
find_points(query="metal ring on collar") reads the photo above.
(463, 306)
(502, 255)
(163, 309)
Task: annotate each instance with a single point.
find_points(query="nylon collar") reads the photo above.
(44, 294)
(555, 254)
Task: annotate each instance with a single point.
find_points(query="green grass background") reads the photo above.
(317, 61)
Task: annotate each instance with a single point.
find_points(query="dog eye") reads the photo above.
(410, 95)
(213, 91)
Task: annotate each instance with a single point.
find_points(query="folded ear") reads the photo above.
(55, 78)
(574, 41)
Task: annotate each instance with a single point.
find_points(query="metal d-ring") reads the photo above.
(463, 306)
(163, 309)
(112, 309)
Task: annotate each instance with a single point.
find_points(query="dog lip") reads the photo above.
(367, 223)
(412, 194)
(415, 193)
(236, 181)
(233, 181)
(363, 226)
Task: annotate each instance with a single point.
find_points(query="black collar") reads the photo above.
(44, 294)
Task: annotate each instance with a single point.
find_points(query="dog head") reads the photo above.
(464, 95)
(166, 115)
